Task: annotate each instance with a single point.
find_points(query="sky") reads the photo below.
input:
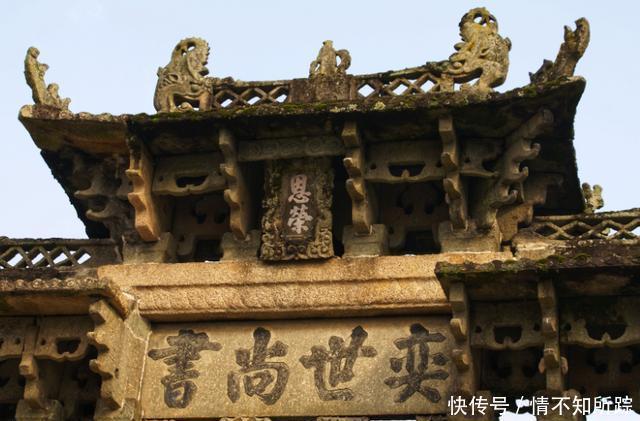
(104, 56)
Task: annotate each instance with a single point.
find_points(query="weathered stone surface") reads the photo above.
(74, 146)
(297, 219)
(578, 269)
(42, 94)
(482, 52)
(571, 51)
(330, 62)
(374, 244)
(182, 83)
(357, 286)
(163, 250)
(427, 163)
(233, 249)
(55, 296)
(121, 343)
(592, 197)
(469, 239)
(386, 366)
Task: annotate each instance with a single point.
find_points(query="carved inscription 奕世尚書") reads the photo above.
(416, 363)
(339, 372)
(300, 368)
(184, 348)
(267, 380)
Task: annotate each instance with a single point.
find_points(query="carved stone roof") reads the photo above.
(383, 120)
(430, 151)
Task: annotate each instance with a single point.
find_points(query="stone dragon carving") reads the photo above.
(571, 51)
(482, 54)
(182, 84)
(42, 93)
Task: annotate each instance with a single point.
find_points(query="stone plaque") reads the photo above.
(297, 220)
(374, 366)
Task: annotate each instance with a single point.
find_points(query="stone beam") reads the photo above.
(255, 290)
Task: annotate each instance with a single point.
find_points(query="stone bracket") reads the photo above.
(362, 213)
(237, 193)
(52, 411)
(506, 325)
(468, 240)
(452, 183)
(461, 354)
(121, 348)
(55, 333)
(374, 244)
(234, 249)
(161, 251)
(56, 339)
(508, 188)
(186, 175)
(105, 200)
(620, 328)
(34, 388)
(552, 364)
(150, 215)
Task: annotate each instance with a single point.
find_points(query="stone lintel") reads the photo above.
(338, 287)
(59, 297)
(579, 269)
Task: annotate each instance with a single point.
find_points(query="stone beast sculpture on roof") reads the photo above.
(182, 84)
(482, 54)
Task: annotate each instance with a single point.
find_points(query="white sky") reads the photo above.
(104, 56)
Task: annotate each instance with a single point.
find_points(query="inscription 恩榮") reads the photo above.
(299, 220)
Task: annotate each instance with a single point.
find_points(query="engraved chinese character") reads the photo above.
(339, 372)
(299, 193)
(416, 363)
(179, 390)
(299, 213)
(267, 380)
(298, 218)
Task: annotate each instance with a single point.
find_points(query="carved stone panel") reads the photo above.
(185, 175)
(297, 219)
(375, 366)
(292, 147)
